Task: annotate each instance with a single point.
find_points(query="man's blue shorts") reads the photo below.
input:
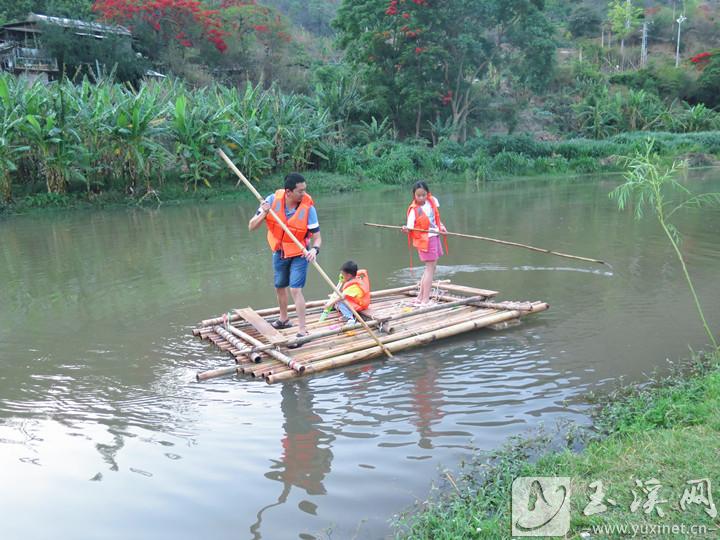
(289, 272)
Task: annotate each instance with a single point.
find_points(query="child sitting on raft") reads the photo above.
(356, 291)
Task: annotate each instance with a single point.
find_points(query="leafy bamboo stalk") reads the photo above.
(647, 185)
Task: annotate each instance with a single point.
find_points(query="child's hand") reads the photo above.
(443, 230)
(404, 229)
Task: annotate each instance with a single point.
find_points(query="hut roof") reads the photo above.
(90, 28)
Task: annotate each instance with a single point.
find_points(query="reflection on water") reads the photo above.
(102, 424)
(306, 454)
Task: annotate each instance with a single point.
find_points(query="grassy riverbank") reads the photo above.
(494, 159)
(668, 431)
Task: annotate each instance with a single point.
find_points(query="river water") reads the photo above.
(105, 434)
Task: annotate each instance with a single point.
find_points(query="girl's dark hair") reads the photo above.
(350, 267)
(420, 184)
(292, 180)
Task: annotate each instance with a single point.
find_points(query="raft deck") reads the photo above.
(260, 351)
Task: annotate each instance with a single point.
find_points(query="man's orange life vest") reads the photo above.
(420, 239)
(362, 280)
(298, 225)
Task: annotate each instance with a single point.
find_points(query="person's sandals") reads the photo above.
(279, 325)
(297, 345)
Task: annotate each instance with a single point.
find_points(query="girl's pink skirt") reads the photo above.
(434, 252)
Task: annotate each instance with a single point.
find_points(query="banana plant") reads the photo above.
(55, 142)
(197, 130)
(135, 128)
(10, 120)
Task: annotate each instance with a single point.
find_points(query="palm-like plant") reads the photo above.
(197, 130)
(648, 185)
(54, 142)
(134, 130)
(10, 120)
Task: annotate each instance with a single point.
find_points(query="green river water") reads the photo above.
(104, 434)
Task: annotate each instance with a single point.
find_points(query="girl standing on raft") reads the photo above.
(424, 213)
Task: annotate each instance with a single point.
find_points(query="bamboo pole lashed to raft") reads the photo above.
(496, 241)
(304, 250)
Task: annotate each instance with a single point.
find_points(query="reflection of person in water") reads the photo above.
(306, 455)
(426, 403)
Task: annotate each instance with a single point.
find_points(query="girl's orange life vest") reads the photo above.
(362, 280)
(421, 239)
(298, 225)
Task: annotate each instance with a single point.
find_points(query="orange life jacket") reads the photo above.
(298, 225)
(420, 239)
(362, 280)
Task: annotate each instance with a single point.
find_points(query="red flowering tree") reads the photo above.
(424, 59)
(701, 60)
(166, 22)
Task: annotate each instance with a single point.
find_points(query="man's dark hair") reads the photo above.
(293, 179)
(350, 267)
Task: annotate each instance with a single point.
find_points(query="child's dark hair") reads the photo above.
(350, 267)
(420, 184)
(293, 179)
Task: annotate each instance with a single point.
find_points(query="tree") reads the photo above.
(164, 23)
(19, 9)
(79, 55)
(624, 20)
(427, 58)
(584, 21)
(708, 84)
(648, 185)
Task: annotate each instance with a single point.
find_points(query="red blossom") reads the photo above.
(406, 15)
(701, 58)
(418, 50)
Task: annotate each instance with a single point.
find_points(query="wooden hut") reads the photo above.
(261, 351)
(21, 49)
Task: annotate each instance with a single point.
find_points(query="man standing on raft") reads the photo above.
(293, 205)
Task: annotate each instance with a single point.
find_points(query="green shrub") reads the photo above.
(550, 165)
(512, 163)
(519, 144)
(584, 165)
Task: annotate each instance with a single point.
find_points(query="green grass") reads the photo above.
(669, 431)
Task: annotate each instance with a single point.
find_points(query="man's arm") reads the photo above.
(261, 213)
(316, 242)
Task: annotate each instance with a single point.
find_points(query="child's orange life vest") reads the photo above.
(362, 280)
(420, 239)
(298, 225)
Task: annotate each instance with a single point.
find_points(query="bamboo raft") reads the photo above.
(261, 351)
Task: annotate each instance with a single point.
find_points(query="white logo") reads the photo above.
(540, 506)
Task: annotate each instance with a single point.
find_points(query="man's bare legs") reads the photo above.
(282, 298)
(299, 300)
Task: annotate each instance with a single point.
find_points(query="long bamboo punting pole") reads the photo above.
(496, 241)
(303, 248)
(421, 339)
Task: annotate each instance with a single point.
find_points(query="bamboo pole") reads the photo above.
(299, 368)
(215, 373)
(303, 248)
(496, 241)
(242, 348)
(421, 339)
